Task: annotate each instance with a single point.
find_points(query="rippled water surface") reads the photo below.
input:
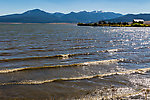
(59, 62)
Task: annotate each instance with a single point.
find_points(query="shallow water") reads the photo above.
(54, 61)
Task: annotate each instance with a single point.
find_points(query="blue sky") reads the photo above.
(66, 6)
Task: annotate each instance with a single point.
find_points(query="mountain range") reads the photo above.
(39, 16)
(130, 17)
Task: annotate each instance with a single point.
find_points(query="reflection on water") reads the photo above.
(55, 61)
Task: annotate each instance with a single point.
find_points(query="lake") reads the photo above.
(65, 61)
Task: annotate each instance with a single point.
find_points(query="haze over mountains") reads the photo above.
(39, 16)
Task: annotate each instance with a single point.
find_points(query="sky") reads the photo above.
(66, 6)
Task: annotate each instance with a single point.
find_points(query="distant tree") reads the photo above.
(95, 24)
(113, 23)
(104, 22)
(101, 22)
(109, 23)
(119, 23)
(125, 23)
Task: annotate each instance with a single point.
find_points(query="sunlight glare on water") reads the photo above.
(54, 61)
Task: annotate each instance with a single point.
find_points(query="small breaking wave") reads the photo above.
(71, 65)
(30, 82)
(103, 62)
(142, 47)
(44, 57)
(59, 56)
(112, 50)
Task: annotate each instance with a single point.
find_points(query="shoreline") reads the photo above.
(114, 25)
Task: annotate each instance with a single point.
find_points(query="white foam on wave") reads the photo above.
(103, 62)
(79, 78)
(71, 65)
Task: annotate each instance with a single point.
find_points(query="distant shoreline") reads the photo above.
(125, 24)
(37, 23)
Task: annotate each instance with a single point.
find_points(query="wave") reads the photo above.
(83, 47)
(59, 56)
(5, 54)
(124, 50)
(43, 57)
(103, 62)
(73, 48)
(142, 47)
(71, 65)
(30, 82)
(113, 50)
(36, 47)
(78, 39)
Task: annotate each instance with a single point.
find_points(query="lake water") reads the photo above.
(64, 62)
